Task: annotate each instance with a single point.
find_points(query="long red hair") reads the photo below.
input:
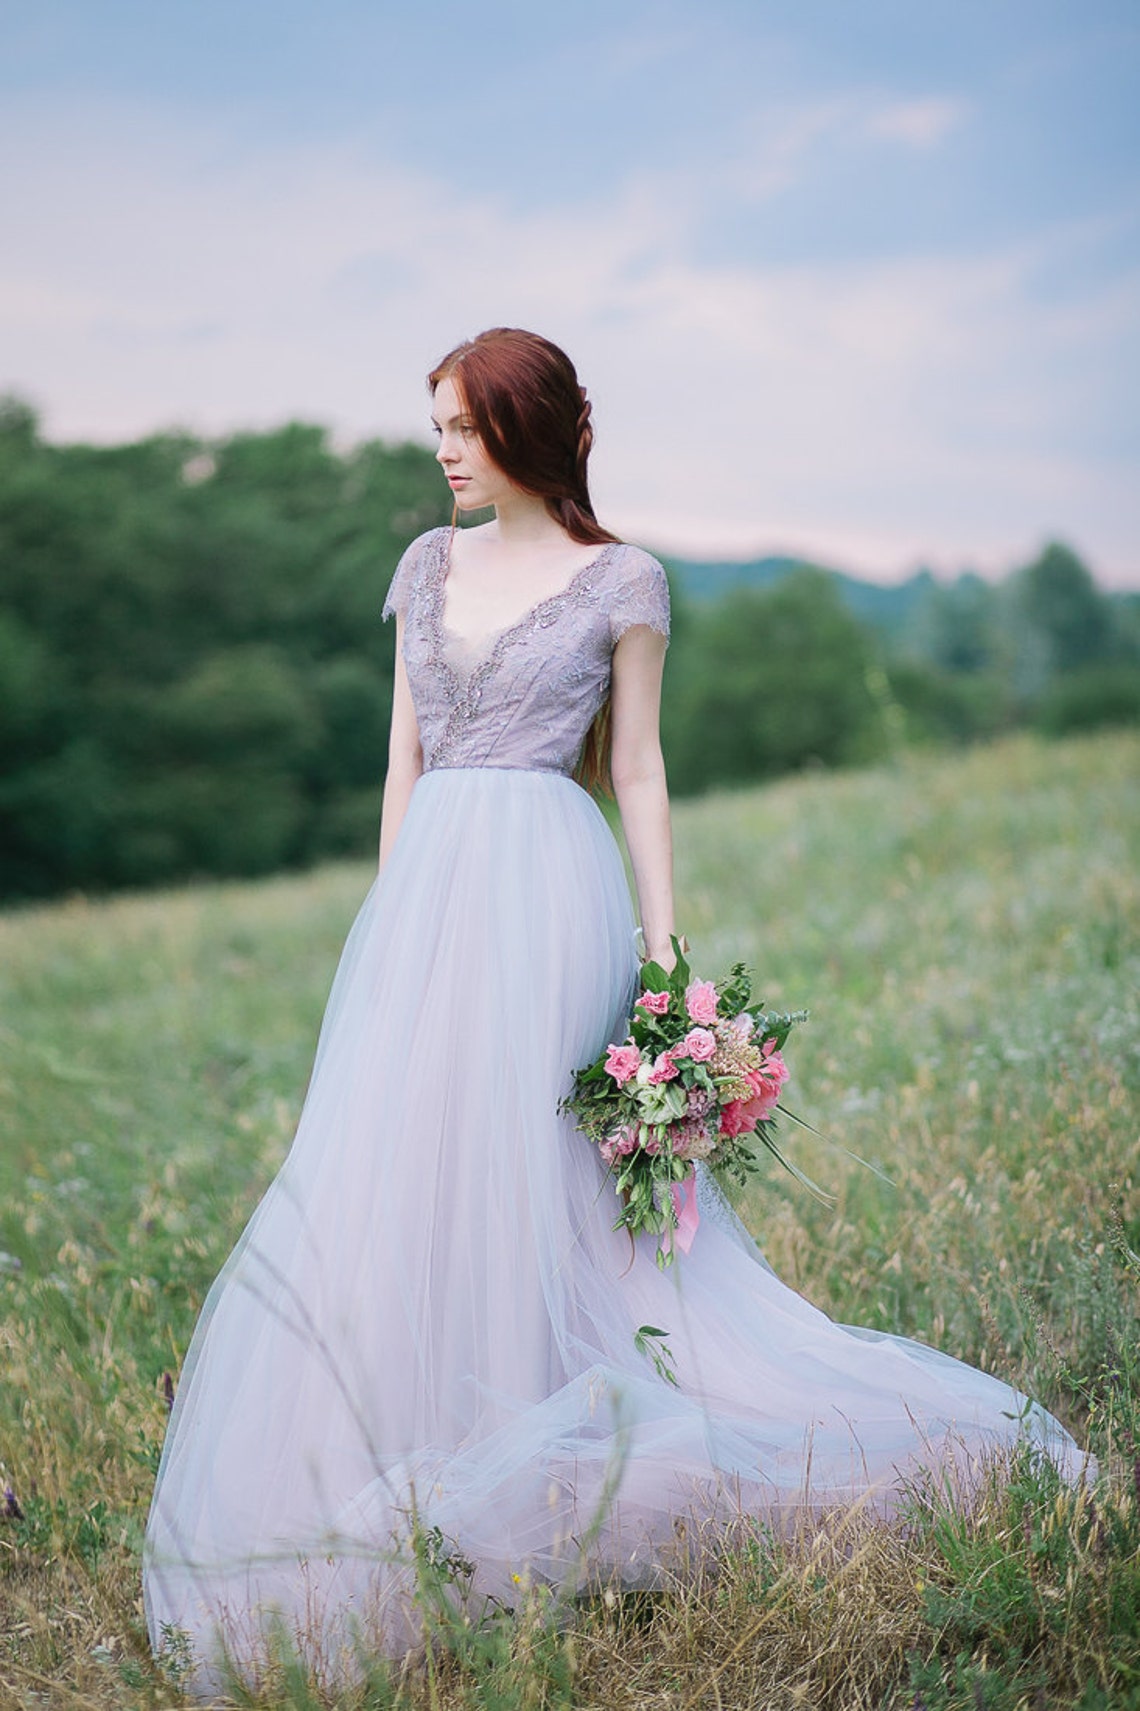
(522, 393)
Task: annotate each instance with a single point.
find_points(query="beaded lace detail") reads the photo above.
(467, 688)
(526, 698)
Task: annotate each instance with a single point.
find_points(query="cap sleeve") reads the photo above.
(641, 595)
(406, 576)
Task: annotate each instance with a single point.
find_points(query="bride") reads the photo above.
(429, 1325)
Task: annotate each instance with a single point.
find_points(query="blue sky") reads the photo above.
(859, 281)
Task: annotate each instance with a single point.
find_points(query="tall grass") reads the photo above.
(966, 932)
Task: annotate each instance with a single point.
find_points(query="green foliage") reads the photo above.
(1033, 1594)
(957, 626)
(193, 675)
(938, 705)
(1091, 699)
(1058, 601)
(651, 1341)
(768, 682)
(1047, 647)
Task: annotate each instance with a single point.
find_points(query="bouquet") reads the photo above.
(697, 1077)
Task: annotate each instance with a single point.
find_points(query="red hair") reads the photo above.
(522, 393)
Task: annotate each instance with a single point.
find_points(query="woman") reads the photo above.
(429, 1324)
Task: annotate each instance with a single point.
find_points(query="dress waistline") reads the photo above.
(536, 771)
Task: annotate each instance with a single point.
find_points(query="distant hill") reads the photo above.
(894, 610)
(886, 608)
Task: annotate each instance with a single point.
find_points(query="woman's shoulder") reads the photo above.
(421, 552)
(637, 558)
(640, 594)
(424, 545)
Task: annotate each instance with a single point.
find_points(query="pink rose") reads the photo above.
(622, 1062)
(663, 1070)
(700, 1001)
(655, 1002)
(609, 1148)
(698, 1044)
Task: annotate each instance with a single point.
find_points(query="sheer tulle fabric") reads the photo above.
(430, 1314)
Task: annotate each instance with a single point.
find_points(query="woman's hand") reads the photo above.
(667, 958)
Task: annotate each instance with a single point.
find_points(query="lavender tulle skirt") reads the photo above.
(430, 1322)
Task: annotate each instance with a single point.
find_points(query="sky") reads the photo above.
(853, 282)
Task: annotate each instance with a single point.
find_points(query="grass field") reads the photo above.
(966, 933)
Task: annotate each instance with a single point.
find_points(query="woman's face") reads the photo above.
(473, 478)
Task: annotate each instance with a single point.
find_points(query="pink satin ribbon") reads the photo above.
(685, 1208)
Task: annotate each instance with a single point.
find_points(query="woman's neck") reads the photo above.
(523, 519)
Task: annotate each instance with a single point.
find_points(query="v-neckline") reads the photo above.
(487, 643)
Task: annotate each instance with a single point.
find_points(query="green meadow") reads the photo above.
(965, 931)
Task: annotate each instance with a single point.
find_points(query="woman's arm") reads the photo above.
(405, 756)
(639, 782)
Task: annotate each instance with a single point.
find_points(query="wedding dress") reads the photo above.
(430, 1318)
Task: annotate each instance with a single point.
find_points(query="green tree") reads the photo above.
(1060, 618)
(770, 681)
(956, 629)
(193, 672)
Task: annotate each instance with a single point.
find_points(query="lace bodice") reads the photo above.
(527, 695)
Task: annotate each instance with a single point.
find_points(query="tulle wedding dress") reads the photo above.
(429, 1318)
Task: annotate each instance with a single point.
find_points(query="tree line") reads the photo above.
(194, 678)
(787, 675)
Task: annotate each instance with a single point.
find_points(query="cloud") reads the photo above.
(877, 414)
(920, 124)
(777, 146)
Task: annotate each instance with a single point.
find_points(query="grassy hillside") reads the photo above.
(966, 933)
